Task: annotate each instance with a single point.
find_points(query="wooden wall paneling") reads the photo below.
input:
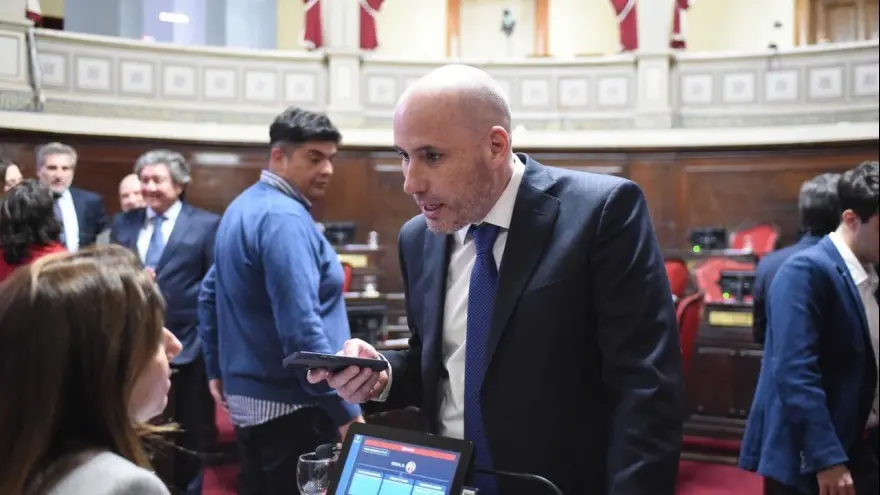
(349, 197)
(739, 187)
(392, 209)
(684, 188)
(657, 175)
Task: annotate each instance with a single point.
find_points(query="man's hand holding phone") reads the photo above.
(836, 480)
(355, 385)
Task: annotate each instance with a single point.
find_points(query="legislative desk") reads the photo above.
(691, 257)
(722, 377)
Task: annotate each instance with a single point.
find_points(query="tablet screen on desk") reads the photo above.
(385, 461)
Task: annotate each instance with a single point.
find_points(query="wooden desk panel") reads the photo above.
(722, 378)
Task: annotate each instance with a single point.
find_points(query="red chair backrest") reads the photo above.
(708, 272)
(689, 315)
(679, 277)
(347, 271)
(760, 239)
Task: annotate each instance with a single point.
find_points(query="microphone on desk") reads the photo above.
(520, 476)
(326, 451)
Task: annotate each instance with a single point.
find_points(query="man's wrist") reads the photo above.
(383, 396)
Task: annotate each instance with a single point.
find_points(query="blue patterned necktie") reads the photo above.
(157, 243)
(481, 299)
(56, 208)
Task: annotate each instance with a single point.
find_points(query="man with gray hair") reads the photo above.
(175, 241)
(80, 212)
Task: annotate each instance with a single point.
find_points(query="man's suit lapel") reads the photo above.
(436, 268)
(80, 207)
(534, 215)
(181, 227)
(133, 226)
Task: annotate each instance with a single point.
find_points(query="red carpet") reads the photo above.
(220, 480)
(695, 478)
(699, 478)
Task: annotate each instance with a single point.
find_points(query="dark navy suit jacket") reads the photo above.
(764, 274)
(584, 376)
(187, 257)
(818, 375)
(90, 215)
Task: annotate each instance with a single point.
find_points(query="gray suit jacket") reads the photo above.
(105, 473)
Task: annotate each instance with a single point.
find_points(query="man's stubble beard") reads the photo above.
(471, 207)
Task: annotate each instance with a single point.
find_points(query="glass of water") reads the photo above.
(313, 474)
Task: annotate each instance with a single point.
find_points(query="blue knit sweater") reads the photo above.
(275, 288)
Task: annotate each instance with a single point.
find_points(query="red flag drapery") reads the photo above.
(369, 10)
(627, 23)
(312, 36)
(677, 41)
(33, 11)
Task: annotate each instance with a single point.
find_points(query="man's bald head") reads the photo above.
(130, 193)
(452, 131)
(472, 94)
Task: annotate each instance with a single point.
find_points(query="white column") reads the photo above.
(15, 89)
(654, 68)
(341, 20)
(654, 24)
(341, 26)
(13, 10)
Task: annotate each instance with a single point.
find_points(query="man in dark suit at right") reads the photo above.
(542, 321)
(820, 215)
(81, 213)
(813, 424)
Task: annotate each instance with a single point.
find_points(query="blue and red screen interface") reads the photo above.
(383, 467)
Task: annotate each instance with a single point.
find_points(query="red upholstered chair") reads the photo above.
(708, 272)
(759, 239)
(348, 270)
(689, 315)
(679, 277)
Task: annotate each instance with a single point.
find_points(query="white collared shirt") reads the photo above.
(71, 222)
(143, 242)
(866, 280)
(461, 263)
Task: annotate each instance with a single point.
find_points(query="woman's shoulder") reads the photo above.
(105, 473)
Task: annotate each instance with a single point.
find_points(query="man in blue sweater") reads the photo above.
(276, 288)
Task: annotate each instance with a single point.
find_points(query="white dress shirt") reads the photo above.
(461, 263)
(143, 242)
(866, 280)
(71, 222)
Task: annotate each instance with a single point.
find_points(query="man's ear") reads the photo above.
(499, 145)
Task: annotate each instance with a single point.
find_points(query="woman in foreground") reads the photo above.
(83, 366)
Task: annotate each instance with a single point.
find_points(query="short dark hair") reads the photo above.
(859, 190)
(27, 219)
(818, 205)
(297, 126)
